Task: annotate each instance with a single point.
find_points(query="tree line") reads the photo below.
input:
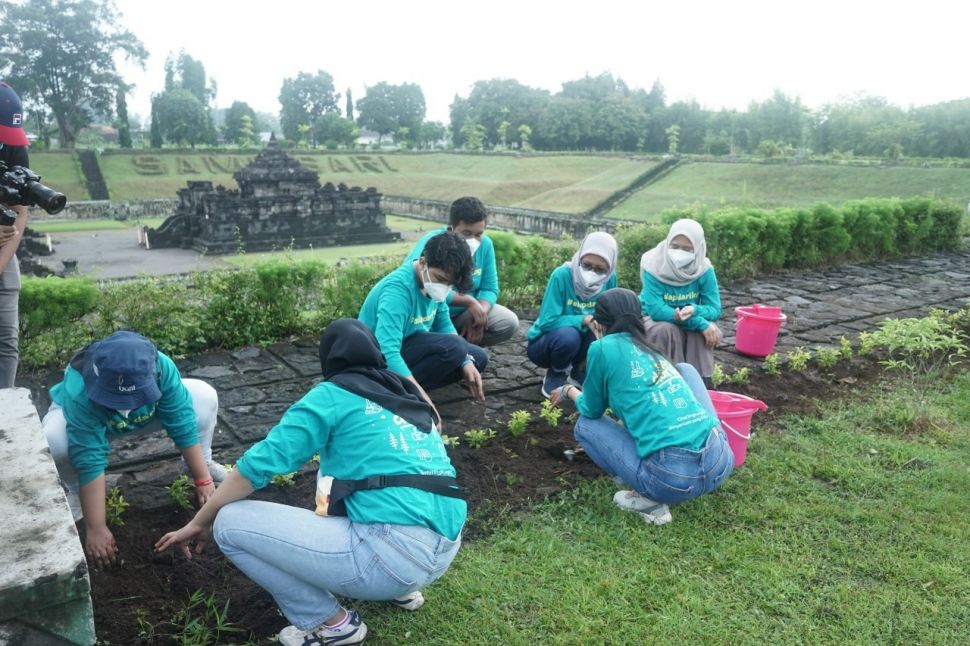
(60, 55)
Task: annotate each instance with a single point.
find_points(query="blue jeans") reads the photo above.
(303, 559)
(435, 359)
(670, 475)
(9, 330)
(559, 348)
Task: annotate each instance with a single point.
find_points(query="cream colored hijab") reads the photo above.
(656, 261)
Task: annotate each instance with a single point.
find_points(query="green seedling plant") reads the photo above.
(114, 507)
(718, 377)
(518, 422)
(550, 413)
(798, 359)
(229, 467)
(316, 458)
(180, 491)
(827, 357)
(740, 377)
(203, 622)
(450, 440)
(845, 348)
(477, 437)
(921, 349)
(772, 364)
(283, 479)
(512, 479)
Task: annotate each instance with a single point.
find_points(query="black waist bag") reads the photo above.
(341, 489)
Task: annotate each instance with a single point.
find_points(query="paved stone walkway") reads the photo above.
(256, 385)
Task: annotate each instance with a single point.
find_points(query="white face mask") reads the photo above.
(437, 292)
(124, 413)
(591, 278)
(473, 244)
(680, 258)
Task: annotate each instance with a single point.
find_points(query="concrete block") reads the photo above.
(44, 584)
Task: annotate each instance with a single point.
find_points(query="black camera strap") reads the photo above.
(441, 485)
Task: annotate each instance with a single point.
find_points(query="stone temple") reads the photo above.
(279, 204)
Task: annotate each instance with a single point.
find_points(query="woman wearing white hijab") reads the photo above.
(681, 299)
(559, 338)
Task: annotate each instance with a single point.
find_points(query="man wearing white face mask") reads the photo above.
(476, 314)
(681, 299)
(408, 314)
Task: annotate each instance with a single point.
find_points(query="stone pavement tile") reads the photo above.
(249, 421)
(224, 370)
(153, 447)
(302, 355)
(826, 335)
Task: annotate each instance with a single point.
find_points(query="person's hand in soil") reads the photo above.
(201, 534)
(712, 336)
(100, 546)
(568, 391)
(204, 492)
(473, 380)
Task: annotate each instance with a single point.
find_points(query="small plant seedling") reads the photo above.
(477, 437)
(203, 621)
(316, 458)
(827, 357)
(740, 376)
(773, 364)
(283, 479)
(450, 440)
(845, 348)
(512, 479)
(717, 377)
(550, 413)
(180, 491)
(229, 467)
(517, 423)
(798, 359)
(114, 507)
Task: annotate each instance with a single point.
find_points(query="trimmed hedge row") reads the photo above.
(279, 299)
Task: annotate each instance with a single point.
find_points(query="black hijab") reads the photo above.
(620, 310)
(351, 359)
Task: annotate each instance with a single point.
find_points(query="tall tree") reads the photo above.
(121, 108)
(303, 99)
(155, 134)
(350, 106)
(493, 101)
(388, 108)
(233, 127)
(62, 52)
(333, 131)
(188, 73)
(181, 117)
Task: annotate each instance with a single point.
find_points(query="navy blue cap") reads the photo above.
(120, 371)
(11, 118)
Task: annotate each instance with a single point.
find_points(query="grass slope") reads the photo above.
(764, 185)
(562, 183)
(831, 533)
(62, 172)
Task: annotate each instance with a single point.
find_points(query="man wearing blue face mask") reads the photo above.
(476, 314)
(407, 312)
(681, 299)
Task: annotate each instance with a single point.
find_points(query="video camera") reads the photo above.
(20, 185)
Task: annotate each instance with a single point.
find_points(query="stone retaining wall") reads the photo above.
(106, 209)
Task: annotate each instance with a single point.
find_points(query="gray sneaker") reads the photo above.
(411, 601)
(652, 512)
(217, 471)
(352, 632)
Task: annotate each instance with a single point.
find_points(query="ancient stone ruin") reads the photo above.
(279, 204)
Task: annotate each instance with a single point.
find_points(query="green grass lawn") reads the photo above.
(62, 172)
(560, 183)
(325, 254)
(783, 185)
(410, 225)
(69, 226)
(831, 533)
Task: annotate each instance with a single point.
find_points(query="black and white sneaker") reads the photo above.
(552, 381)
(353, 631)
(411, 601)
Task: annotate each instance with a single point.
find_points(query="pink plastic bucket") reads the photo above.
(757, 329)
(735, 412)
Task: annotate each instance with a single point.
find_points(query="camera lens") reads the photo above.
(46, 198)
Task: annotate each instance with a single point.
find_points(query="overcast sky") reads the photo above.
(723, 54)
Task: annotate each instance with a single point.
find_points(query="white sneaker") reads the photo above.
(411, 601)
(217, 471)
(352, 632)
(652, 512)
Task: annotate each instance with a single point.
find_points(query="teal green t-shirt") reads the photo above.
(656, 406)
(561, 307)
(659, 300)
(89, 424)
(356, 439)
(395, 309)
(484, 274)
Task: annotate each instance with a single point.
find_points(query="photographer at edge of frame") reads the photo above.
(13, 151)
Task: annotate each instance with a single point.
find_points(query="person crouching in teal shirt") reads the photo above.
(681, 298)
(407, 313)
(476, 314)
(401, 523)
(116, 387)
(560, 336)
(668, 445)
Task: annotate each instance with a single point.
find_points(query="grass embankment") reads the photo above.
(62, 172)
(831, 533)
(559, 183)
(768, 186)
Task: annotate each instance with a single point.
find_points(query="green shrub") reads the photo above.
(49, 303)
(633, 241)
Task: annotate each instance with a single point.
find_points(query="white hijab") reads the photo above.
(598, 243)
(656, 261)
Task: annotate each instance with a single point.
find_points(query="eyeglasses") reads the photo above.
(601, 271)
